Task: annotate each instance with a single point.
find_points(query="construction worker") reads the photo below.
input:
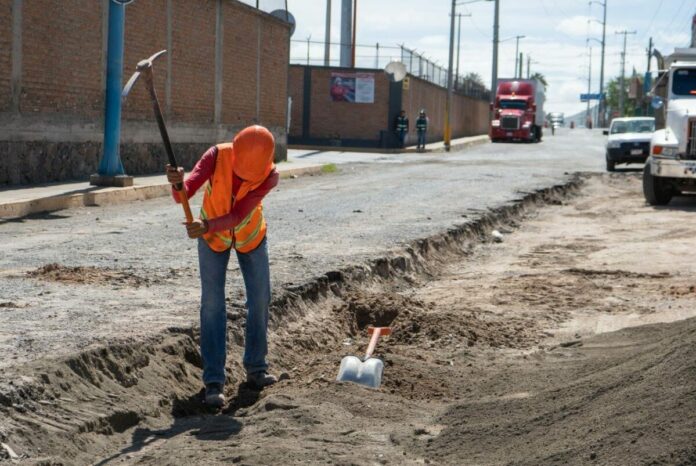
(421, 129)
(401, 128)
(238, 176)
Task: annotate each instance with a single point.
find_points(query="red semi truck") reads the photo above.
(518, 111)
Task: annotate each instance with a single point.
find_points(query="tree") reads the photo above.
(541, 78)
(475, 78)
(631, 106)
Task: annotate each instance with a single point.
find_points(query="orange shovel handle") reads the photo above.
(375, 332)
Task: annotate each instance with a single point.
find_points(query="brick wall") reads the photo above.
(5, 54)
(469, 115)
(296, 91)
(62, 58)
(361, 124)
(59, 126)
(345, 120)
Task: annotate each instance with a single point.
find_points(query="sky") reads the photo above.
(556, 33)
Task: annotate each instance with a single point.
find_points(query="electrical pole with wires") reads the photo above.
(602, 97)
(622, 89)
(496, 40)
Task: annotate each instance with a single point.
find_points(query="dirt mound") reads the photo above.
(89, 275)
(623, 399)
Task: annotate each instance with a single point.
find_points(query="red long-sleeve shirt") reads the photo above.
(203, 171)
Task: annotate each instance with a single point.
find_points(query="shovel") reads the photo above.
(368, 371)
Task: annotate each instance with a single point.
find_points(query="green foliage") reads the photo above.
(474, 77)
(541, 78)
(329, 168)
(632, 107)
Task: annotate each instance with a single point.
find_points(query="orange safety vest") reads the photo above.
(218, 201)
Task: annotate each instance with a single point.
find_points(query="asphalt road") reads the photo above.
(373, 203)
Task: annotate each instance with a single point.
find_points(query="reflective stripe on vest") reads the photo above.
(218, 201)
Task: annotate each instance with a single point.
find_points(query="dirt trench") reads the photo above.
(491, 357)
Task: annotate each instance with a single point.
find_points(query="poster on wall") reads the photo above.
(353, 87)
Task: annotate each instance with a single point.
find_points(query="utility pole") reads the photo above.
(355, 27)
(459, 44)
(647, 75)
(519, 72)
(602, 99)
(623, 71)
(529, 62)
(327, 35)
(346, 27)
(448, 110)
(496, 40)
(588, 117)
(517, 52)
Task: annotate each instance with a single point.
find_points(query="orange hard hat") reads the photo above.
(253, 148)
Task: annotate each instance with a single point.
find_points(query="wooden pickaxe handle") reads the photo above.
(145, 67)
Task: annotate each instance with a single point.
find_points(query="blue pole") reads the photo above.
(110, 164)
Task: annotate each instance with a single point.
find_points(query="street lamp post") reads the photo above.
(496, 39)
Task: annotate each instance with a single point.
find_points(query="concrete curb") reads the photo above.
(473, 141)
(96, 196)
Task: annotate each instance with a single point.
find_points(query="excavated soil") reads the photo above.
(86, 275)
(570, 342)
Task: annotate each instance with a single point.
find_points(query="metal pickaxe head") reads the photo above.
(142, 66)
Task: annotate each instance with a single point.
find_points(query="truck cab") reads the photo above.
(671, 167)
(517, 111)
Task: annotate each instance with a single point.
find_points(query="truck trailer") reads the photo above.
(518, 111)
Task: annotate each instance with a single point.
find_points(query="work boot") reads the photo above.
(214, 396)
(261, 379)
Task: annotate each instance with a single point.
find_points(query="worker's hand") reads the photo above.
(196, 228)
(175, 175)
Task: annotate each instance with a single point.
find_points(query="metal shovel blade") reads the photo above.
(367, 373)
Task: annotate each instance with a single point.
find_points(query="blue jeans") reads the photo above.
(402, 138)
(257, 281)
(421, 139)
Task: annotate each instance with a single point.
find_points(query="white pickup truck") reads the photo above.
(671, 166)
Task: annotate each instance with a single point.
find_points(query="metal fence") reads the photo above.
(377, 56)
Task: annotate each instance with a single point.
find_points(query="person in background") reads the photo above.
(401, 128)
(421, 129)
(237, 177)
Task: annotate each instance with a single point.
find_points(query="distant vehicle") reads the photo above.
(629, 140)
(518, 111)
(671, 166)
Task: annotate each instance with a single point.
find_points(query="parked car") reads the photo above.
(629, 140)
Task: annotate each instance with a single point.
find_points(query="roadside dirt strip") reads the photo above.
(512, 351)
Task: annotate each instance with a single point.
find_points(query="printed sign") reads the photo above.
(353, 87)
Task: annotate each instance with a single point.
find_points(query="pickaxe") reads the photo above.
(145, 67)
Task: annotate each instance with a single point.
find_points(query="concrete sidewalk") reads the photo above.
(22, 201)
(439, 146)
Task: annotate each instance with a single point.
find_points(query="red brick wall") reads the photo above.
(62, 57)
(145, 34)
(296, 91)
(193, 67)
(274, 79)
(63, 61)
(5, 54)
(239, 64)
(469, 116)
(330, 119)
